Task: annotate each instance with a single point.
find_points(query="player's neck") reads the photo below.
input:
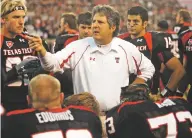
(48, 108)
(142, 33)
(7, 34)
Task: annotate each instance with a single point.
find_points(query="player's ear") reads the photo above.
(181, 19)
(28, 100)
(61, 97)
(145, 23)
(2, 20)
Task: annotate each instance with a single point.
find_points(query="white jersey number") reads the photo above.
(173, 45)
(170, 121)
(12, 61)
(83, 133)
(110, 125)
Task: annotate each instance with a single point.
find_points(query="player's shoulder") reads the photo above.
(83, 113)
(80, 45)
(62, 38)
(124, 35)
(184, 30)
(160, 39)
(66, 36)
(123, 44)
(81, 109)
(178, 100)
(113, 111)
(19, 112)
(138, 106)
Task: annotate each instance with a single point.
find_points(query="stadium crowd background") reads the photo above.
(44, 15)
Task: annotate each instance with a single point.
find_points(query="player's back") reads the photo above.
(149, 120)
(168, 41)
(70, 122)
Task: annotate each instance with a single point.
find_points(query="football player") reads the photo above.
(139, 117)
(155, 46)
(185, 40)
(47, 118)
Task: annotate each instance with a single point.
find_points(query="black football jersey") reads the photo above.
(157, 47)
(177, 27)
(13, 51)
(69, 122)
(170, 118)
(63, 40)
(185, 37)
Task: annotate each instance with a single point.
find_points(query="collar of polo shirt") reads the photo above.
(95, 47)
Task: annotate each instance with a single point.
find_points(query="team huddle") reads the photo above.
(96, 82)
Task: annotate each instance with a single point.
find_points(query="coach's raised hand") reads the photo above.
(36, 44)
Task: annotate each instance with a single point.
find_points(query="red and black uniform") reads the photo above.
(70, 122)
(146, 119)
(154, 46)
(14, 86)
(177, 28)
(173, 45)
(185, 40)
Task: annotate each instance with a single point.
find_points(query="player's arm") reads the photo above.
(7, 77)
(178, 71)
(143, 66)
(182, 52)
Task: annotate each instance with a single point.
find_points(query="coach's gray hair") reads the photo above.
(112, 15)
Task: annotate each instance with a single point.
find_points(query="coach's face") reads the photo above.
(135, 25)
(102, 32)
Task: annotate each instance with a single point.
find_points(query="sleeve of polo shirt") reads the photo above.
(58, 61)
(145, 68)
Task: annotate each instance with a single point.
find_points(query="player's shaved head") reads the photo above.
(44, 89)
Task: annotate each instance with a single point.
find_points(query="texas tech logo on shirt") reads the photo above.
(190, 42)
(117, 59)
(9, 43)
(142, 48)
(189, 47)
